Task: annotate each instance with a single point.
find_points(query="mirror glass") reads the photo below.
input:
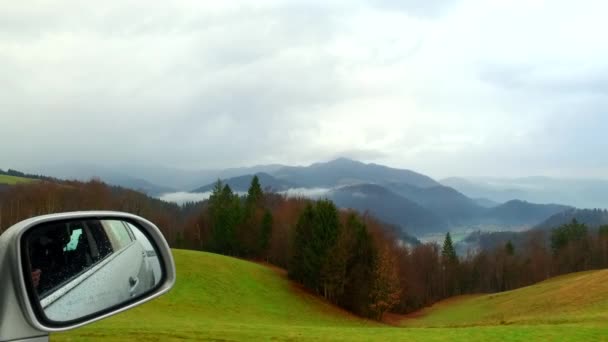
(81, 267)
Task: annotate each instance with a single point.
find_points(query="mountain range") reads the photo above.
(413, 201)
(581, 193)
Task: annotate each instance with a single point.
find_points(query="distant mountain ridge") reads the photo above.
(242, 183)
(413, 201)
(593, 218)
(441, 214)
(581, 193)
(389, 207)
(404, 198)
(345, 171)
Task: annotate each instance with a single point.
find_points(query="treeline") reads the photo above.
(351, 259)
(22, 201)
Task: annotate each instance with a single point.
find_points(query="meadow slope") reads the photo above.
(218, 298)
(11, 180)
(573, 298)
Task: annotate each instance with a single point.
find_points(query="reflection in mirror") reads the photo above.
(79, 268)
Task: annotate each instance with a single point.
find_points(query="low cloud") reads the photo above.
(313, 193)
(185, 197)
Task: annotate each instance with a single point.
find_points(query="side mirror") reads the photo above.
(68, 270)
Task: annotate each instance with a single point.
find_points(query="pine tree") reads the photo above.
(448, 252)
(250, 228)
(449, 261)
(266, 231)
(563, 235)
(225, 213)
(299, 268)
(254, 194)
(316, 233)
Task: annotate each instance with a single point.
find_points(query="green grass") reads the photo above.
(11, 180)
(219, 298)
(570, 299)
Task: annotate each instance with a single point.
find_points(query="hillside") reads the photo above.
(421, 211)
(517, 212)
(443, 201)
(591, 217)
(344, 171)
(389, 207)
(10, 180)
(221, 298)
(574, 298)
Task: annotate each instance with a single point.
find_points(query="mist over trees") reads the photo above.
(349, 258)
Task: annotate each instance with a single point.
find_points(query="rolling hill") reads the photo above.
(11, 180)
(518, 212)
(389, 207)
(421, 211)
(454, 207)
(344, 171)
(218, 298)
(569, 299)
(591, 217)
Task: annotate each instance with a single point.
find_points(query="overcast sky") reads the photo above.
(499, 88)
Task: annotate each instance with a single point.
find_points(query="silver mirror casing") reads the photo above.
(18, 319)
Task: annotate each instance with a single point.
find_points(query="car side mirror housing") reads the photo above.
(62, 271)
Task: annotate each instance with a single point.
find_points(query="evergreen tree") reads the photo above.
(254, 194)
(448, 253)
(266, 231)
(250, 228)
(360, 272)
(324, 235)
(449, 261)
(316, 233)
(563, 235)
(299, 267)
(225, 213)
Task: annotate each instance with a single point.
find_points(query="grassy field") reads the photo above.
(570, 299)
(4, 179)
(218, 298)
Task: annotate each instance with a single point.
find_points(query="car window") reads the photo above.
(59, 252)
(118, 234)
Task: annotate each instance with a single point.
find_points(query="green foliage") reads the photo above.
(266, 231)
(448, 253)
(603, 230)
(299, 267)
(347, 272)
(254, 194)
(316, 232)
(225, 215)
(571, 232)
(11, 180)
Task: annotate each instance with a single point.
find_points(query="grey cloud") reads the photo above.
(186, 85)
(427, 8)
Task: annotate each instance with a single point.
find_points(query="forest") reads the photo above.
(350, 258)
